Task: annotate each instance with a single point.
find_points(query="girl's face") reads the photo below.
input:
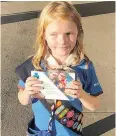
(61, 37)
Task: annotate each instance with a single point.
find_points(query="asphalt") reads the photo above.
(17, 39)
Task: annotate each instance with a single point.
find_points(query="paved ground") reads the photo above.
(17, 40)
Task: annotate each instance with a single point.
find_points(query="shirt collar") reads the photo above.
(53, 64)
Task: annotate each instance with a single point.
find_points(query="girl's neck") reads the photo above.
(60, 59)
(60, 62)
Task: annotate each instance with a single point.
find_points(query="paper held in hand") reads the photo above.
(54, 82)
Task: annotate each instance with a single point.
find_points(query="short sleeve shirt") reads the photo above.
(90, 84)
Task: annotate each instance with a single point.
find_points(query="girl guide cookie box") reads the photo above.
(54, 83)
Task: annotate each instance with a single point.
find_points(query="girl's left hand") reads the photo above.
(75, 90)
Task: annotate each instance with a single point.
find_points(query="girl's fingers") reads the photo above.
(37, 95)
(74, 96)
(74, 87)
(76, 83)
(31, 79)
(32, 92)
(34, 88)
(73, 93)
(30, 83)
(70, 91)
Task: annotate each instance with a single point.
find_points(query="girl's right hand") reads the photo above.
(33, 87)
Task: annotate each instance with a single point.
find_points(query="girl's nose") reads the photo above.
(62, 39)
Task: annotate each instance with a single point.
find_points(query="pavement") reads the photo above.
(17, 39)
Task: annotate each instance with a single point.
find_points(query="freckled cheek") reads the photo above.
(51, 42)
(73, 40)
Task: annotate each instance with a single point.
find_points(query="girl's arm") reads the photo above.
(76, 91)
(90, 102)
(24, 97)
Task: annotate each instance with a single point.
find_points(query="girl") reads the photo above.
(59, 46)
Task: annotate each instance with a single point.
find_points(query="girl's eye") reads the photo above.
(53, 34)
(68, 34)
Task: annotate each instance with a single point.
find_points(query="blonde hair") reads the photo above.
(52, 11)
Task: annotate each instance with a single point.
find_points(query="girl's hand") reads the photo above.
(75, 90)
(33, 87)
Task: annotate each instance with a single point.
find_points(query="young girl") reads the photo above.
(59, 46)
